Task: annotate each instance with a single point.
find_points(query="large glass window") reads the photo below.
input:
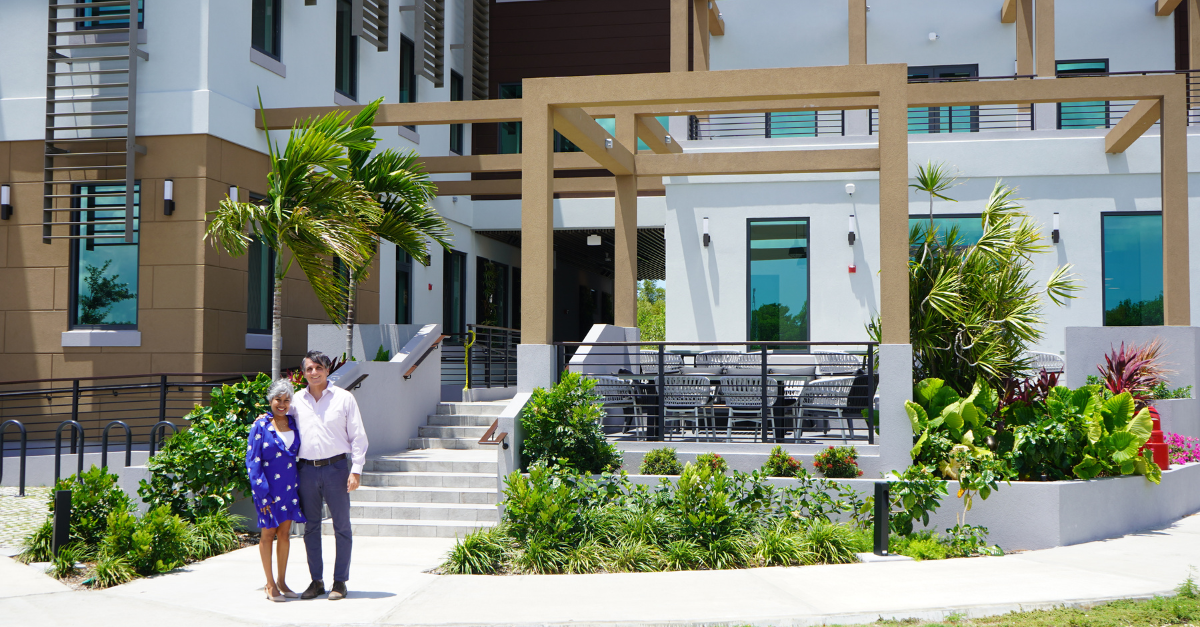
(1082, 114)
(491, 293)
(346, 56)
(943, 119)
(1133, 269)
(456, 130)
(408, 72)
(403, 287)
(454, 291)
(777, 303)
(970, 227)
(265, 21)
(103, 10)
(104, 269)
(261, 288)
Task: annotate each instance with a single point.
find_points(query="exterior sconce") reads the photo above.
(667, 140)
(168, 197)
(707, 239)
(233, 193)
(850, 189)
(850, 236)
(1054, 232)
(933, 36)
(5, 202)
(608, 143)
(593, 240)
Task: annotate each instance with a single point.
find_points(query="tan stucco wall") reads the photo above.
(191, 297)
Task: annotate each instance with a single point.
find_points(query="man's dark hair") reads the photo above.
(320, 359)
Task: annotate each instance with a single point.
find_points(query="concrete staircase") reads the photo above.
(444, 486)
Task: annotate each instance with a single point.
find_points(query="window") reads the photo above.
(260, 299)
(265, 21)
(408, 72)
(491, 293)
(796, 124)
(510, 132)
(1082, 114)
(456, 130)
(777, 303)
(103, 11)
(1133, 268)
(104, 270)
(346, 58)
(516, 299)
(923, 120)
(403, 287)
(454, 291)
(970, 226)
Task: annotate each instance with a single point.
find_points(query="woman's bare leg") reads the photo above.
(265, 540)
(281, 553)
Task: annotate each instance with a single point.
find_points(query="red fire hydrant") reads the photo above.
(1158, 448)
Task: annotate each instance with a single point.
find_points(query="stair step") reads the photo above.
(399, 527)
(469, 512)
(432, 480)
(447, 443)
(464, 433)
(423, 494)
(432, 465)
(460, 420)
(477, 409)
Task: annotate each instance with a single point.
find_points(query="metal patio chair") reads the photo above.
(616, 393)
(686, 396)
(744, 398)
(834, 363)
(1045, 361)
(672, 362)
(716, 361)
(824, 399)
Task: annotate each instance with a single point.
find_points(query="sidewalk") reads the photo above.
(389, 587)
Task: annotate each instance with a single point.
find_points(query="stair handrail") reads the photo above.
(435, 344)
(488, 440)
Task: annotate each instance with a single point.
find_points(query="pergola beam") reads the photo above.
(569, 185)
(1082, 89)
(1008, 12)
(503, 163)
(767, 162)
(1163, 8)
(716, 25)
(406, 114)
(583, 131)
(1137, 121)
(649, 130)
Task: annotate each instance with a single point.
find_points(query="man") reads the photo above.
(331, 430)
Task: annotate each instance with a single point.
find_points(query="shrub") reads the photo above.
(839, 462)
(1136, 369)
(539, 556)
(1183, 450)
(634, 556)
(481, 552)
(541, 507)
(584, 558)
(923, 545)
(213, 534)
(730, 551)
(682, 555)
(155, 544)
(778, 546)
(1161, 391)
(702, 505)
(968, 540)
(914, 497)
(111, 570)
(660, 461)
(94, 495)
(63, 564)
(717, 462)
(780, 464)
(562, 426)
(825, 542)
(36, 546)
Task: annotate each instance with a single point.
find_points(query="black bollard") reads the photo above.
(62, 520)
(882, 512)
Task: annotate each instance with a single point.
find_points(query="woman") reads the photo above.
(271, 460)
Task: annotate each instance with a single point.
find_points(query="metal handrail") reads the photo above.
(21, 464)
(488, 440)
(136, 376)
(104, 443)
(431, 348)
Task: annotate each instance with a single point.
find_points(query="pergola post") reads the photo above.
(1173, 146)
(893, 208)
(625, 264)
(537, 220)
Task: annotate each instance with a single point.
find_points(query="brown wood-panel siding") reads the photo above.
(572, 38)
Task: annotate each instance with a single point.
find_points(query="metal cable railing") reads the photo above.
(482, 357)
(768, 125)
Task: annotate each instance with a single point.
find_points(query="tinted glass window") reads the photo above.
(777, 306)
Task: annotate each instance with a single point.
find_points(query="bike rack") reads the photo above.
(21, 428)
(154, 432)
(104, 444)
(76, 428)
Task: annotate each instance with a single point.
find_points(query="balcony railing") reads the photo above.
(483, 357)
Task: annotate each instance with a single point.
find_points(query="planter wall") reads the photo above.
(1180, 415)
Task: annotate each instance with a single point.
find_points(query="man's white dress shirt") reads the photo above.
(330, 426)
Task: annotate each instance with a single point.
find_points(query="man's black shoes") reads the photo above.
(338, 591)
(316, 589)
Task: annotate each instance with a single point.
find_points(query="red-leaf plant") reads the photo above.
(1135, 369)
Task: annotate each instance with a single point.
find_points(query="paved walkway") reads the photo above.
(389, 587)
(21, 515)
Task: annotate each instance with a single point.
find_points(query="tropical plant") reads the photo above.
(660, 461)
(398, 183)
(314, 211)
(213, 534)
(965, 540)
(37, 546)
(915, 495)
(715, 460)
(1136, 370)
(111, 570)
(942, 422)
(838, 462)
(824, 542)
(933, 179)
(1163, 391)
(1115, 437)
(652, 312)
(382, 354)
(974, 308)
(94, 495)
(562, 426)
(156, 543)
(481, 552)
(780, 464)
(64, 564)
(1049, 437)
(1182, 450)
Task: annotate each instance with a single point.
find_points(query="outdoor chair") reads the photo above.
(744, 398)
(823, 399)
(672, 362)
(716, 361)
(616, 394)
(835, 363)
(1045, 361)
(686, 396)
(747, 363)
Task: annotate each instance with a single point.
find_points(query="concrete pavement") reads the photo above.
(389, 586)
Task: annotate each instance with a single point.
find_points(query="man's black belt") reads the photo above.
(324, 462)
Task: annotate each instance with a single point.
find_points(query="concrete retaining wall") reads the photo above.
(1180, 415)
(1087, 346)
(39, 469)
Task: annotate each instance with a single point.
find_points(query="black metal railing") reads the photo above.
(786, 392)
(482, 357)
(779, 124)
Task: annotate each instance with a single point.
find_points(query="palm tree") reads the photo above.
(933, 179)
(399, 184)
(312, 211)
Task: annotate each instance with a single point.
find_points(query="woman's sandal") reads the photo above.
(277, 599)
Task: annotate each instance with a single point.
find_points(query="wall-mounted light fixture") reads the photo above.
(850, 236)
(608, 143)
(233, 193)
(168, 197)
(5, 202)
(707, 239)
(593, 240)
(850, 189)
(1054, 232)
(933, 36)
(667, 140)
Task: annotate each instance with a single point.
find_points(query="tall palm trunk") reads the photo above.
(350, 320)
(276, 328)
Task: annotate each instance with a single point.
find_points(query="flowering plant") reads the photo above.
(840, 462)
(1183, 450)
(780, 464)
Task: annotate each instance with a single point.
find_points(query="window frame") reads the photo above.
(1059, 106)
(404, 264)
(457, 135)
(447, 255)
(807, 271)
(276, 28)
(935, 71)
(99, 22)
(73, 269)
(342, 23)
(936, 216)
(1104, 268)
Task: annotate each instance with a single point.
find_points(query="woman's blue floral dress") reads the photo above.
(273, 470)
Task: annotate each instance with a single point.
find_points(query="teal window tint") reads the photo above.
(102, 11)
(456, 130)
(403, 288)
(1082, 114)
(260, 299)
(610, 125)
(265, 26)
(454, 291)
(408, 72)
(510, 132)
(345, 76)
(970, 227)
(797, 124)
(924, 120)
(1133, 269)
(777, 303)
(104, 271)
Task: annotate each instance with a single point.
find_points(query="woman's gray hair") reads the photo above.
(281, 387)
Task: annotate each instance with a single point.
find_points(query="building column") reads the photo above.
(625, 264)
(1025, 37)
(893, 208)
(857, 31)
(537, 220)
(1045, 114)
(1176, 258)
